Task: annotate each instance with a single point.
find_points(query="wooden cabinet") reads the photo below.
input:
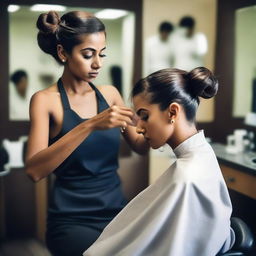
(239, 181)
(242, 190)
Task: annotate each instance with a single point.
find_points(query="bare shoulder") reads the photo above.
(111, 94)
(45, 97)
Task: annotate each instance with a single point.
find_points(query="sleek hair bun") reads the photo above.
(66, 31)
(202, 83)
(48, 22)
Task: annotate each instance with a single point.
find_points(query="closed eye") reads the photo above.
(87, 56)
(144, 117)
(143, 114)
(90, 56)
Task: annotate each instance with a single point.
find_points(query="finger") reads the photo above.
(121, 108)
(127, 120)
(135, 119)
(126, 113)
(125, 108)
(122, 113)
(119, 123)
(122, 124)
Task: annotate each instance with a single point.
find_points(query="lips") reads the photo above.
(93, 74)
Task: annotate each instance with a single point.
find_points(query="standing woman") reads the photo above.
(75, 133)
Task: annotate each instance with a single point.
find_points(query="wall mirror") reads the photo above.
(25, 57)
(245, 62)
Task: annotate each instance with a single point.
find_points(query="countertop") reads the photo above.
(242, 161)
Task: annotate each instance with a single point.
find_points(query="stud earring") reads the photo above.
(63, 60)
(122, 129)
(172, 121)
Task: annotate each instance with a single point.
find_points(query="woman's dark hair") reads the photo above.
(66, 30)
(174, 85)
(18, 75)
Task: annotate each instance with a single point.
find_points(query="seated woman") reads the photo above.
(187, 211)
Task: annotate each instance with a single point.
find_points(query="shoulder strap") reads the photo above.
(102, 103)
(63, 94)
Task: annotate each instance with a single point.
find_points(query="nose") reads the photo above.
(97, 62)
(140, 129)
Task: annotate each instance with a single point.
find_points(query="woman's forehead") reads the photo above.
(97, 39)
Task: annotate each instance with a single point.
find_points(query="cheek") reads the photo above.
(161, 132)
(155, 129)
(80, 66)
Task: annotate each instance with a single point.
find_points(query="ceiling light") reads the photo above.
(110, 14)
(13, 8)
(47, 7)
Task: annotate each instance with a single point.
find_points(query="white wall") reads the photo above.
(128, 33)
(113, 50)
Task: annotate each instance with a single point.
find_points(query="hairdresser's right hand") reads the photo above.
(115, 116)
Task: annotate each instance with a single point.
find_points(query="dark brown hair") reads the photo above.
(66, 30)
(174, 85)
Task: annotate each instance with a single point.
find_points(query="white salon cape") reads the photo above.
(185, 213)
(157, 54)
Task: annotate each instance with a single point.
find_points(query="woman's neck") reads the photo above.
(73, 85)
(182, 132)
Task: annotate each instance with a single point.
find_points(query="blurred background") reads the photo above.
(217, 34)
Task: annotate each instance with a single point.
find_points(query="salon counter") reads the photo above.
(239, 170)
(242, 161)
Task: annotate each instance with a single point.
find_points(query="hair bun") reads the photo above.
(48, 22)
(202, 83)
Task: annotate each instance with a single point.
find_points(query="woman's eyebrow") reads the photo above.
(88, 49)
(92, 49)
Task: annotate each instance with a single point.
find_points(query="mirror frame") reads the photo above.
(14, 129)
(225, 123)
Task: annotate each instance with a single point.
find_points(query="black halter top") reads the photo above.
(87, 186)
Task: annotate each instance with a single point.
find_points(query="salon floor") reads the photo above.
(28, 247)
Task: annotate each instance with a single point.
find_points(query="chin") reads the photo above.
(156, 146)
(89, 80)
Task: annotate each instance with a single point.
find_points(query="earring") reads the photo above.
(122, 129)
(172, 121)
(63, 60)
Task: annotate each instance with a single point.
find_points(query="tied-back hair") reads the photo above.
(65, 31)
(169, 85)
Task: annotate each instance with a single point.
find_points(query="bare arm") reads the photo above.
(135, 140)
(41, 159)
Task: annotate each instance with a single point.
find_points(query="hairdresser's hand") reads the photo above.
(112, 117)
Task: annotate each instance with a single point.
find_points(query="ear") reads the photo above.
(61, 53)
(174, 110)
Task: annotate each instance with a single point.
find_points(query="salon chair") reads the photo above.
(4, 159)
(244, 244)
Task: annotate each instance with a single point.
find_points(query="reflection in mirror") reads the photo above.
(32, 70)
(245, 62)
